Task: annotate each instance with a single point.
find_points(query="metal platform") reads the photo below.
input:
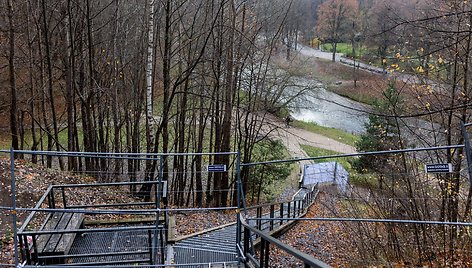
(119, 247)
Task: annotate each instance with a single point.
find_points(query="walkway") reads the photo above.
(217, 248)
(407, 78)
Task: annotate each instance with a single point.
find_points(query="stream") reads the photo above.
(328, 109)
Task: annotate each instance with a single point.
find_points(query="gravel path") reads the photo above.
(293, 138)
(311, 52)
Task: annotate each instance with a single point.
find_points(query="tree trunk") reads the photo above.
(335, 46)
(69, 64)
(50, 87)
(152, 139)
(149, 81)
(31, 87)
(12, 79)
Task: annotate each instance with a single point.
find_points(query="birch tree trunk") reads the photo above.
(145, 190)
(149, 72)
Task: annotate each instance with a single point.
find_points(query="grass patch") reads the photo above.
(315, 152)
(333, 133)
(367, 180)
(355, 95)
(346, 49)
(5, 140)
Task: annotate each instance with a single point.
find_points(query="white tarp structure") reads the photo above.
(326, 172)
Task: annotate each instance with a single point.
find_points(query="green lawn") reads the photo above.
(333, 133)
(346, 49)
(315, 152)
(5, 139)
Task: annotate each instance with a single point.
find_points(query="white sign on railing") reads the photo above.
(438, 168)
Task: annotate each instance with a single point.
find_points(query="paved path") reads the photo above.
(407, 78)
(293, 138)
(311, 52)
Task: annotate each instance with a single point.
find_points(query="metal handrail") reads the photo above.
(38, 204)
(266, 239)
(282, 202)
(308, 260)
(355, 154)
(85, 185)
(92, 154)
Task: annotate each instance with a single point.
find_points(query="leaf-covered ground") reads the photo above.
(326, 241)
(188, 223)
(31, 183)
(33, 180)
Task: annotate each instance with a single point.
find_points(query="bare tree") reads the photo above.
(334, 20)
(12, 78)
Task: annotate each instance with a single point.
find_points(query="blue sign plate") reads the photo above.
(216, 168)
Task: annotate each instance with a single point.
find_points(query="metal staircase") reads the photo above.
(217, 247)
(220, 248)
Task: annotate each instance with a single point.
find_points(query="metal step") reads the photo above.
(213, 249)
(186, 255)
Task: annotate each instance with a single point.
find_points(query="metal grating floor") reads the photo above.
(218, 246)
(117, 247)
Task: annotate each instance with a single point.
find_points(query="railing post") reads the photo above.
(150, 246)
(35, 256)
(259, 216)
(468, 150)
(264, 250)
(27, 256)
(51, 201)
(162, 249)
(281, 213)
(294, 208)
(271, 216)
(239, 201)
(288, 210)
(13, 203)
(246, 244)
(63, 197)
(267, 252)
(23, 246)
(299, 207)
(262, 253)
